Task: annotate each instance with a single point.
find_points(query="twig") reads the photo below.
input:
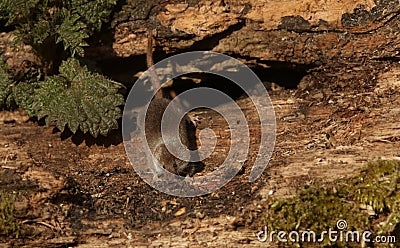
(150, 62)
(41, 223)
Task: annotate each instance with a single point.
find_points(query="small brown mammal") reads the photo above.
(163, 158)
(187, 131)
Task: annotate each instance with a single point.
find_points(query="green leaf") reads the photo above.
(47, 25)
(72, 33)
(80, 99)
(23, 96)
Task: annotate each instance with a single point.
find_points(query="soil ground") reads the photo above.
(76, 191)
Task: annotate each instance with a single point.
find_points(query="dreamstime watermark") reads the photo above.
(133, 122)
(338, 234)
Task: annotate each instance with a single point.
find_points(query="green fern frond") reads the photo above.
(51, 24)
(76, 97)
(80, 99)
(94, 13)
(72, 33)
(23, 96)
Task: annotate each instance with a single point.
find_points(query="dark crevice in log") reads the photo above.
(389, 59)
(295, 25)
(208, 80)
(284, 74)
(123, 69)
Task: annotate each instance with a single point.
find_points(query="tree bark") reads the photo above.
(324, 32)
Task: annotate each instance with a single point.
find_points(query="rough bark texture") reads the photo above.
(324, 32)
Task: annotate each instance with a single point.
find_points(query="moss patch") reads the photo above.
(369, 201)
(9, 226)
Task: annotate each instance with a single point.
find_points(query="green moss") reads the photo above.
(319, 208)
(9, 226)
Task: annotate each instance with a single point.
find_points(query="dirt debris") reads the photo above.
(72, 191)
